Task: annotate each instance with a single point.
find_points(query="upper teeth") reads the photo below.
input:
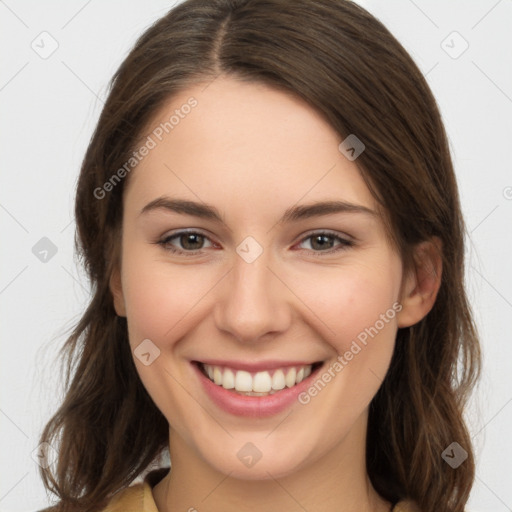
(261, 382)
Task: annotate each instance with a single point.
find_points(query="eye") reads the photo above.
(322, 242)
(190, 241)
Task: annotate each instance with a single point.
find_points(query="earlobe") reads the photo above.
(116, 289)
(422, 283)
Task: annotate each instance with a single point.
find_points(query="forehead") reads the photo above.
(232, 141)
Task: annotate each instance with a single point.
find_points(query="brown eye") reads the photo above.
(184, 242)
(322, 242)
(325, 242)
(191, 241)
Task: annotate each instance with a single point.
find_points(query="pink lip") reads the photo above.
(252, 406)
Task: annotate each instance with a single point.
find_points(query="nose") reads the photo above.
(253, 301)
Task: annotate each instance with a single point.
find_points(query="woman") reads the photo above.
(269, 216)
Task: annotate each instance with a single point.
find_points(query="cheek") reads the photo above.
(357, 317)
(349, 301)
(160, 299)
(367, 313)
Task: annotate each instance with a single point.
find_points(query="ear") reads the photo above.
(421, 284)
(116, 289)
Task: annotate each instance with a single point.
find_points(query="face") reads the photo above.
(225, 260)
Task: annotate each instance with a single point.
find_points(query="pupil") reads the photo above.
(322, 245)
(189, 239)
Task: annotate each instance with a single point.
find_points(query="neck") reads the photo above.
(334, 482)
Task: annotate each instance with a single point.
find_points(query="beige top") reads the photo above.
(139, 498)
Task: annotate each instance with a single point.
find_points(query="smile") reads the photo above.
(255, 390)
(260, 383)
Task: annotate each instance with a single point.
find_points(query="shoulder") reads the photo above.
(137, 497)
(406, 506)
(130, 498)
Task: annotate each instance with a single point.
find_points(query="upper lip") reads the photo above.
(255, 366)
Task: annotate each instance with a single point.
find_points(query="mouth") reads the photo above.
(261, 383)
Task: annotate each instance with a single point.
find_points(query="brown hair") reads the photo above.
(346, 65)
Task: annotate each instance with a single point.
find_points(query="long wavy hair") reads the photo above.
(350, 68)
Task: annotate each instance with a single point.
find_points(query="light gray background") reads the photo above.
(49, 109)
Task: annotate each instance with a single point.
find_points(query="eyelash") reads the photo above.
(345, 244)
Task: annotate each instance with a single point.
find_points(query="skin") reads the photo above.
(253, 152)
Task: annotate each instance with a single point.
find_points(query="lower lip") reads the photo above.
(253, 406)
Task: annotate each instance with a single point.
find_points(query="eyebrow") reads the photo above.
(292, 214)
